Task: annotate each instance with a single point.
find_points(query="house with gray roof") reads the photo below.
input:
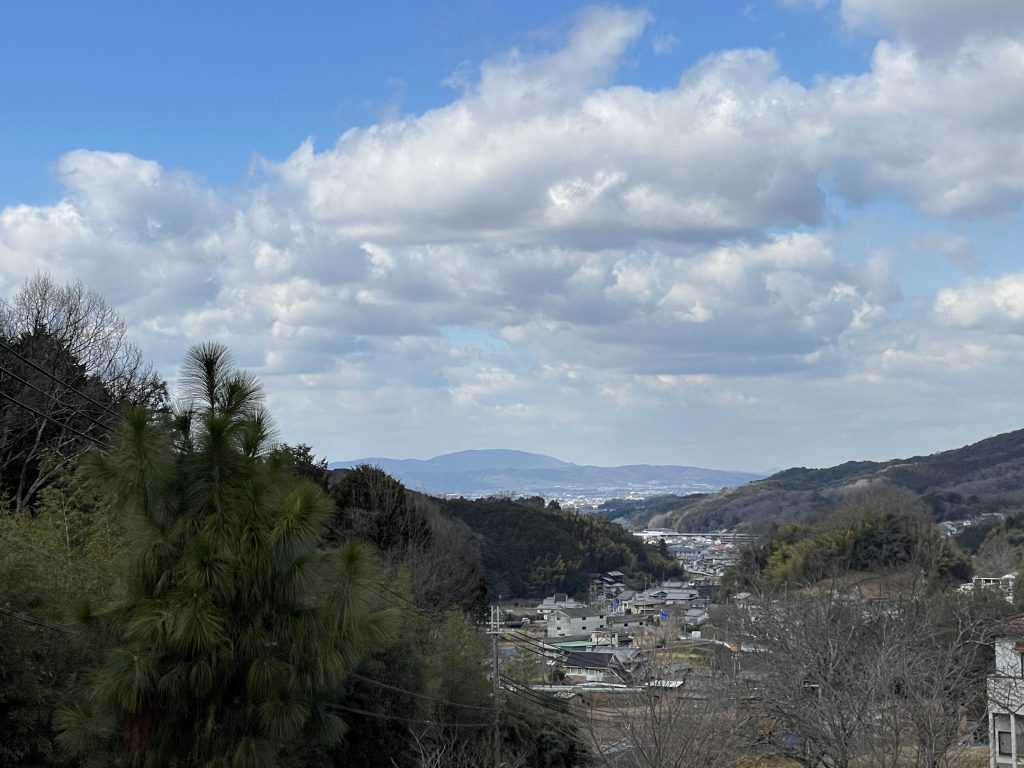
(575, 621)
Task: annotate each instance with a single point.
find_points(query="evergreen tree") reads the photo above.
(233, 630)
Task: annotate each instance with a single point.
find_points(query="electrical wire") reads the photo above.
(530, 644)
(416, 720)
(61, 424)
(54, 627)
(424, 612)
(423, 696)
(55, 397)
(28, 619)
(515, 688)
(4, 345)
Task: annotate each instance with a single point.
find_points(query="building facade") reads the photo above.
(1006, 697)
(564, 622)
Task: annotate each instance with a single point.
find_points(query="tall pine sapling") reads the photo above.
(233, 630)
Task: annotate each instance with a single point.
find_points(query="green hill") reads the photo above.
(530, 550)
(987, 476)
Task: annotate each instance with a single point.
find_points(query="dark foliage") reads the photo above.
(374, 506)
(530, 550)
(877, 532)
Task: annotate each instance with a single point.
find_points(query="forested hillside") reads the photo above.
(530, 550)
(962, 483)
(877, 532)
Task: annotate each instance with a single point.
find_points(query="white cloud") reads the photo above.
(550, 257)
(815, 4)
(530, 155)
(988, 304)
(936, 25)
(940, 133)
(664, 44)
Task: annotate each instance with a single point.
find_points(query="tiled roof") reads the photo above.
(580, 613)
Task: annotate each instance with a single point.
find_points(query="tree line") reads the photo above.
(879, 530)
(178, 589)
(532, 549)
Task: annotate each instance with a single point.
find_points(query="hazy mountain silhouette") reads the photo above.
(497, 471)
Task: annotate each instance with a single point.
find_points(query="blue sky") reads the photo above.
(731, 234)
(205, 86)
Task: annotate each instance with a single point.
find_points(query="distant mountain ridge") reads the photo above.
(986, 476)
(495, 471)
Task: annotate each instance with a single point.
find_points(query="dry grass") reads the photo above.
(872, 584)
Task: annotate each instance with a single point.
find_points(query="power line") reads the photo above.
(54, 627)
(423, 696)
(529, 643)
(62, 628)
(55, 397)
(27, 619)
(17, 354)
(425, 612)
(527, 693)
(512, 686)
(61, 424)
(416, 720)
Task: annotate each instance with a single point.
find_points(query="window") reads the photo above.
(1018, 648)
(1004, 742)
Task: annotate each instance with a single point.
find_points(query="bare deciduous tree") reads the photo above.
(703, 723)
(66, 367)
(873, 683)
(998, 556)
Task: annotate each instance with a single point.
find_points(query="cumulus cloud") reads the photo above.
(538, 149)
(988, 304)
(552, 252)
(940, 133)
(127, 225)
(530, 155)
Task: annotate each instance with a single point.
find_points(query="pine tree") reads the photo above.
(233, 630)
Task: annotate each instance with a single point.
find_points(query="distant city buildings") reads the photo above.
(705, 556)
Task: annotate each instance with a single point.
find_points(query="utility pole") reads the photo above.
(495, 630)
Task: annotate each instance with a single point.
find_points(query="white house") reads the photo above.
(1004, 584)
(563, 622)
(1006, 696)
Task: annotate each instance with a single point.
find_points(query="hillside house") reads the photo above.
(1004, 584)
(615, 666)
(554, 602)
(668, 593)
(563, 622)
(607, 585)
(1006, 696)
